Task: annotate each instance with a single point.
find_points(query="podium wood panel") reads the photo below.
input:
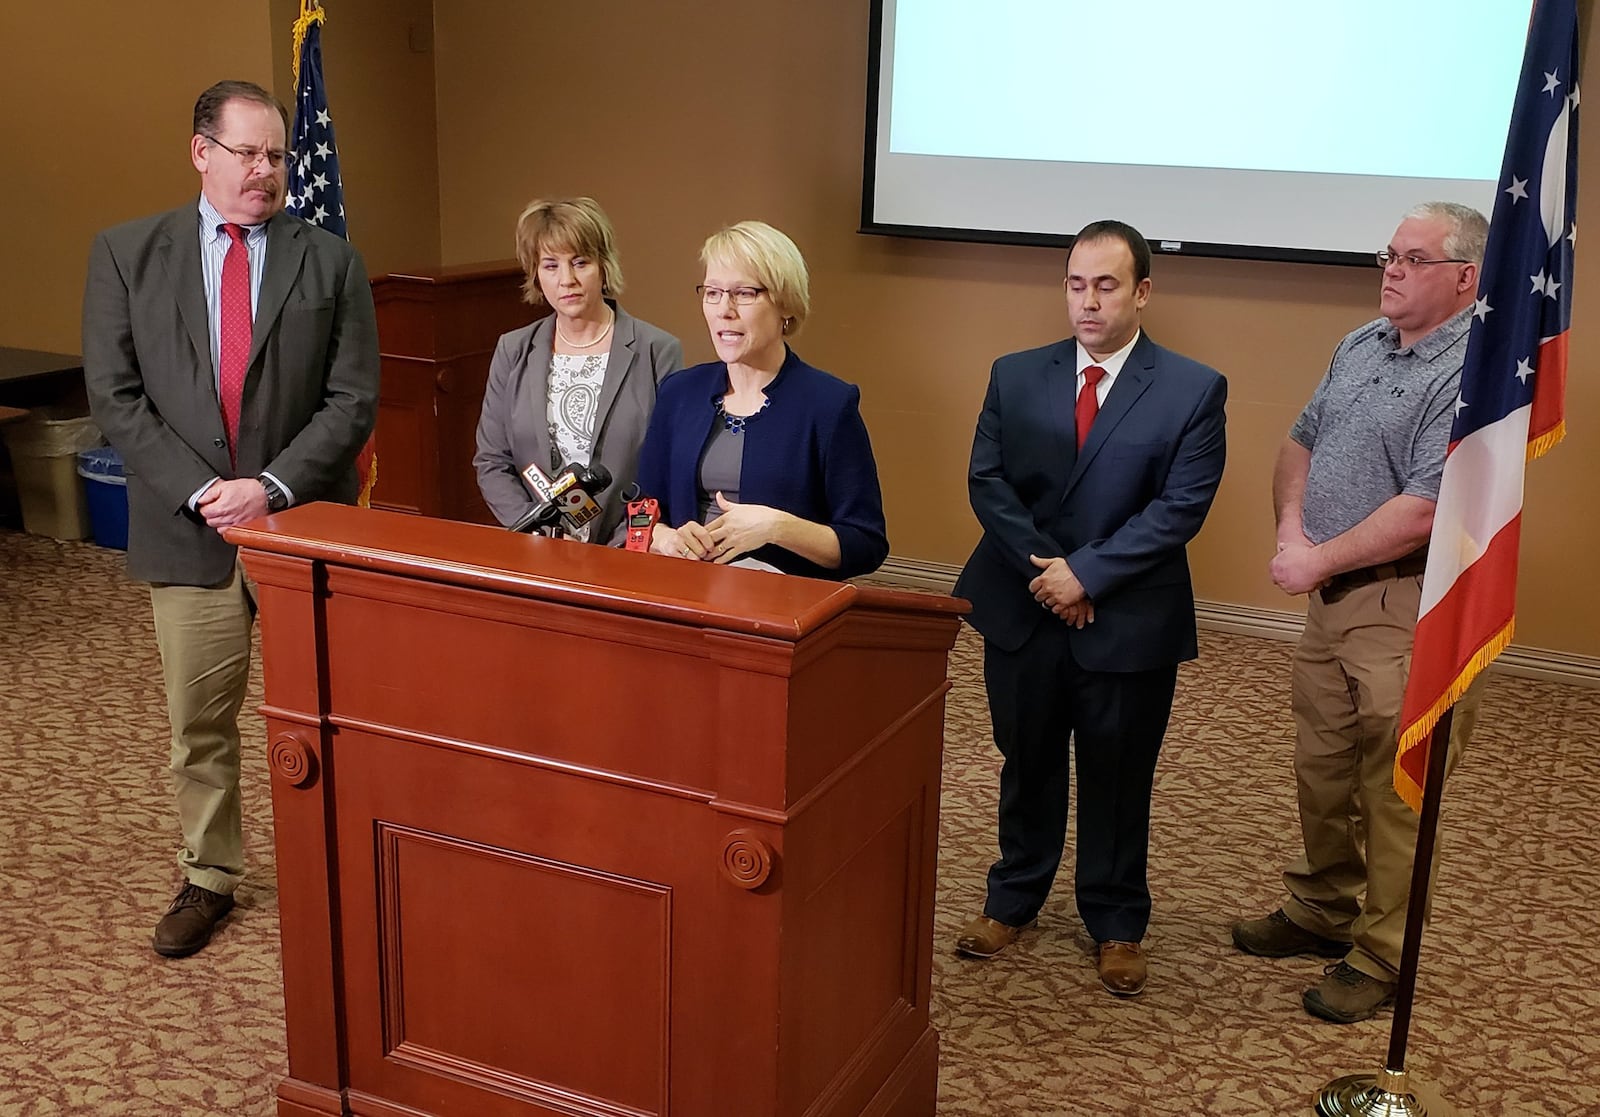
(563, 829)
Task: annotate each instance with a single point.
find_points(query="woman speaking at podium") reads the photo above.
(757, 457)
(579, 384)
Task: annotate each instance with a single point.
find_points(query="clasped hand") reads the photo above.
(1058, 590)
(1295, 569)
(740, 529)
(227, 503)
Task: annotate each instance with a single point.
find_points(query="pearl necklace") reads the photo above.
(605, 333)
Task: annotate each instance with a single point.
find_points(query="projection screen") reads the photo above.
(1261, 129)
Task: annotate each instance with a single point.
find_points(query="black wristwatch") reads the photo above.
(277, 499)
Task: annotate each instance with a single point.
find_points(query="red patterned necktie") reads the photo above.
(234, 349)
(1088, 402)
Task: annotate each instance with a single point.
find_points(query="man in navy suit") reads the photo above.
(1095, 462)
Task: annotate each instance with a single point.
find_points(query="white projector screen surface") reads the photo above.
(1254, 128)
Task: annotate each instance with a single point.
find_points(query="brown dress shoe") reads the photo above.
(1122, 968)
(985, 937)
(188, 924)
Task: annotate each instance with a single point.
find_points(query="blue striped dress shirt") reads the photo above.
(214, 244)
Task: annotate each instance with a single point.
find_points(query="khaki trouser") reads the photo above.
(1360, 837)
(204, 636)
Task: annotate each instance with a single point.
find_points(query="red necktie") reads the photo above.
(1088, 402)
(234, 349)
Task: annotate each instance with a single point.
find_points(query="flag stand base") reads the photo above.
(1386, 1094)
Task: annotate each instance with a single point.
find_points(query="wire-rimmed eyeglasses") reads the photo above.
(250, 156)
(740, 296)
(1410, 259)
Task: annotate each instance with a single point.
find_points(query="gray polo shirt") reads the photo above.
(1378, 424)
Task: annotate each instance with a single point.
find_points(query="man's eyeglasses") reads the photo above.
(250, 156)
(1411, 260)
(740, 296)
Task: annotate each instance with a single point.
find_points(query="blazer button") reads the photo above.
(218, 443)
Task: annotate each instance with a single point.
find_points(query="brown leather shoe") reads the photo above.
(188, 924)
(1277, 936)
(1122, 968)
(985, 937)
(1346, 995)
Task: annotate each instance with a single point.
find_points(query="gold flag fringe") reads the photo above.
(1547, 441)
(310, 12)
(368, 483)
(1416, 733)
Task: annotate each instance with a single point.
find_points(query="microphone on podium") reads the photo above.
(568, 499)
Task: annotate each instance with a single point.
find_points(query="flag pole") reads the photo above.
(1389, 1092)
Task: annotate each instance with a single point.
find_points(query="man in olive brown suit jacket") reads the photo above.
(231, 356)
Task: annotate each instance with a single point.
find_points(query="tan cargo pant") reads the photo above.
(204, 636)
(1360, 837)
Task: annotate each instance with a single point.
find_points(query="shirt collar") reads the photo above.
(211, 222)
(1436, 340)
(1112, 364)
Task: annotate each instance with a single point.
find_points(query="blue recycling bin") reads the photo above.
(106, 488)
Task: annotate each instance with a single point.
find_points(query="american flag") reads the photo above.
(316, 191)
(1511, 408)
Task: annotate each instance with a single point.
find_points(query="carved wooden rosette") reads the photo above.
(747, 859)
(292, 759)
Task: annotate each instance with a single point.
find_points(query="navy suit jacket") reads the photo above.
(1121, 512)
(807, 454)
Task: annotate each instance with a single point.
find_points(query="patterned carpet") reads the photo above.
(92, 1022)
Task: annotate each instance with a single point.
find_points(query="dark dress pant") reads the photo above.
(1045, 707)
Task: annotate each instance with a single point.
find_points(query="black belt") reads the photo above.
(1407, 566)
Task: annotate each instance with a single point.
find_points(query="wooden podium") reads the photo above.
(436, 334)
(568, 830)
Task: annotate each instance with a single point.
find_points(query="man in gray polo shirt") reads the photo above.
(1354, 491)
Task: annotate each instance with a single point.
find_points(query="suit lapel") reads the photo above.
(1138, 373)
(623, 357)
(180, 255)
(1061, 390)
(533, 397)
(285, 251)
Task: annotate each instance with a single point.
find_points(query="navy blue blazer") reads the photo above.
(1121, 512)
(807, 454)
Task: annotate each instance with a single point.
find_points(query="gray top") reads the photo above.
(721, 468)
(1379, 423)
(514, 426)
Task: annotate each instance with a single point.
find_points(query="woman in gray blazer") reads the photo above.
(579, 384)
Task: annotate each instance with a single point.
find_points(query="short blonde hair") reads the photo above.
(576, 225)
(773, 259)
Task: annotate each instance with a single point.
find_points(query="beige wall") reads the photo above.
(98, 100)
(378, 59)
(679, 125)
(96, 131)
(681, 119)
